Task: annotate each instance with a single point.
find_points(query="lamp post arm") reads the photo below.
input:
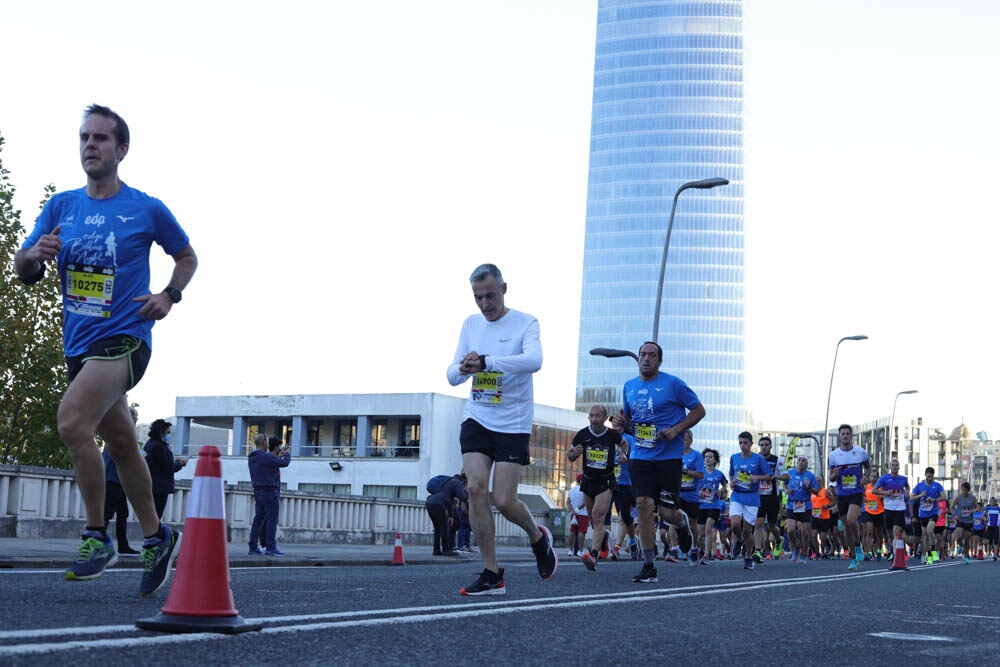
(663, 265)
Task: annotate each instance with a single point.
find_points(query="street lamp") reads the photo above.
(892, 421)
(704, 184)
(826, 422)
(612, 353)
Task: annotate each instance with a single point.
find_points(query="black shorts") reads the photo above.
(892, 518)
(114, 347)
(595, 486)
(705, 514)
(979, 532)
(844, 502)
(924, 520)
(503, 447)
(624, 502)
(992, 533)
(690, 507)
(822, 525)
(659, 480)
(967, 527)
(769, 508)
(801, 517)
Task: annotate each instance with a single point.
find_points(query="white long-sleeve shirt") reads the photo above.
(502, 398)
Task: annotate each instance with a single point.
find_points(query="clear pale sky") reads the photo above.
(341, 167)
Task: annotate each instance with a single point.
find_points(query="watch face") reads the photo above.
(174, 293)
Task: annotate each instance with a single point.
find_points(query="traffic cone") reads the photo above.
(397, 551)
(200, 599)
(979, 554)
(899, 556)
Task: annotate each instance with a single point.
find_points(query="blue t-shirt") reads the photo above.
(993, 515)
(693, 460)
(745, 491)
(708, 490)
(896, 486)
(799, 490)
(851, 464)
(928, 503)
(622, 476)
(655, 405)
(977, 520)
(104, 261)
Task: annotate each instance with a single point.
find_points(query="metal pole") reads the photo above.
(826, 422)
(892, 426)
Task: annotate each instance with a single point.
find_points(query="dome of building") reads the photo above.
(961, 432)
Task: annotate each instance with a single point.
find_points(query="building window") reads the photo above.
(347, 438)
(314, 436)
(339, 489)
(254, 428)
(380, 439)
(283, 430)
(408, 444)
(393, 492)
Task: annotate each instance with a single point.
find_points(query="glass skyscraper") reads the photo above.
(667, 109)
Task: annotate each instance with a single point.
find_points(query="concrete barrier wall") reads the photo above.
(42, 502)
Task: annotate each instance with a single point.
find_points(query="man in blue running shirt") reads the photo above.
(657, 408)
(100, 237)
(926, 494)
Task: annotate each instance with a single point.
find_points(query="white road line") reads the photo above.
(911, 638)
(391, 616)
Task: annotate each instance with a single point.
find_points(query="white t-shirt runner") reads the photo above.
(502, 397)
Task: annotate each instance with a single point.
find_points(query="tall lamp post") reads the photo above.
(826, 422)
(892, 421)
(704, 184)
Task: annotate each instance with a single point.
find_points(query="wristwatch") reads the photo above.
(173, 293)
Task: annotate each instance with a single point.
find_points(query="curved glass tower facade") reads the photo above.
(667, 109)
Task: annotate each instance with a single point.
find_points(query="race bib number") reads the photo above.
(597, 458)
(799, 506)
(89, 289)
(817, 512)
(871, 505)
(849, 482)
(645, 435)
(487, 388)
(618, 470)
(927, 503)
(764, 486)
(742, 480)
(706, 493)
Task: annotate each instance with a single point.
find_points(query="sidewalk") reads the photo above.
(20, 552)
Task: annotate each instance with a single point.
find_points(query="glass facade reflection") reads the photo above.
(667, 109)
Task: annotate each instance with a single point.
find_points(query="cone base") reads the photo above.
(228, 625)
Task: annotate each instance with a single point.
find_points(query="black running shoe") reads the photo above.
(647, 575)
(545, 555)
(684, 537)
(488, 583)
(157, 560)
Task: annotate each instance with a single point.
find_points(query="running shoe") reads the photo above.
(702, 561)
(487, 583)
(278, 552)
(545, 556)
(647, 575)
(748, 563)
(924, 559)
(853, 565)
(589, 560)
(256, 551)
(615, 553)
(802, 560)
(858, 554)
(693, 557)
(795, 555)
(757, 557)
(92, 558)
(965, 559)
(570, 552)
(684, 537)
(157, 561)
(670, 556)
(633, 549)
(605, 543)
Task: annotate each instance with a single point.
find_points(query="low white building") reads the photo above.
(381, 445)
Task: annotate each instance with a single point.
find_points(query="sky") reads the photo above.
(341, 167)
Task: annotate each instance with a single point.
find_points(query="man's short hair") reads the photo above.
(273, 443)
(745, 434)
(659, 350)
(929, 470)
(483, 271)
(966, 485)
(763, 438)
(121, 127)
(847, 426)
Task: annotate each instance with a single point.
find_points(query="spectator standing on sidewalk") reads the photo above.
(161, 462)
(266, 489)
(439, 507)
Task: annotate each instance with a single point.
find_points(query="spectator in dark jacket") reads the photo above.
(161, 462)
(266, 488)
(438, 507)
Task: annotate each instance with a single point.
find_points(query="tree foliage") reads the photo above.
(32, 367)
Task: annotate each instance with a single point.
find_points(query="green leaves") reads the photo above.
(32, 368)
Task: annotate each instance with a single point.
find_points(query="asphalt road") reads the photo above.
(779, 613)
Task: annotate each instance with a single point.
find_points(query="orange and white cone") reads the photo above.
(200, 599)
(899, 555)
(979, 554)
(397, 551)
